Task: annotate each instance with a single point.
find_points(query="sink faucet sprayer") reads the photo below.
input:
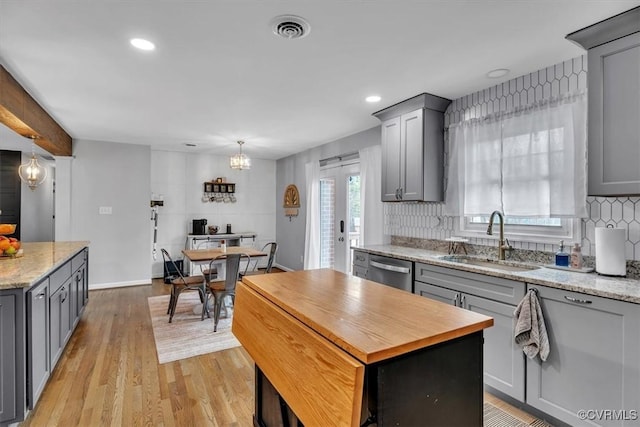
(503, 244)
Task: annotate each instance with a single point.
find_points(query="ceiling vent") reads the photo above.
(290, 26)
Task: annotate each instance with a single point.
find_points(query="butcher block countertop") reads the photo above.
(370, 321)
(39, 259)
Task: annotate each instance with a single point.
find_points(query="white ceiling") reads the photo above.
(219, 74)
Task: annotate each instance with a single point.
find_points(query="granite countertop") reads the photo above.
(618, 288)
(38, 260)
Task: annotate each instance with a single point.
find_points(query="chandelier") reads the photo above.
(32, 173)
(240, 161)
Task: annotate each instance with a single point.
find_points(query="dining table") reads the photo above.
(205, 256)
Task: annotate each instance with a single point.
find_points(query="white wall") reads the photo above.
(117, 176)
(179, 177)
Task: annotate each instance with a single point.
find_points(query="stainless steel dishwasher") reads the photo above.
(391, 271)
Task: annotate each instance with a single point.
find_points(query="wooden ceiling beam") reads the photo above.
(21, 113)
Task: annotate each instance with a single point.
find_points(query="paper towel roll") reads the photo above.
(610, 259)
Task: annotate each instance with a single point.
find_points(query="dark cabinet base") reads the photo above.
(436, 386)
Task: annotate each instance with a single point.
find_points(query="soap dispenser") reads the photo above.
(562, 258)
(576, 257)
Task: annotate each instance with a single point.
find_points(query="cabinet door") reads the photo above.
(437, 293)
(504, 362)
(37, 341)
(60, 327)
(359, 271)
(8, 350)
(411, 155)
(614, 108)
(391, 159)
(593, 363)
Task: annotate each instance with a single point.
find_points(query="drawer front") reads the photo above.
(495, 288)
(58, 277)
(78, 260)
(361, 258)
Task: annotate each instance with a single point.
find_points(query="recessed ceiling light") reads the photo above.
(373, 98)
(142, 44)
(497, 73)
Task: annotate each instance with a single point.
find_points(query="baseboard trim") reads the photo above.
(97, 286)
(282, 267)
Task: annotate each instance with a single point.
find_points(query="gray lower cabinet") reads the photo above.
(38, 371)
(9, 351)
(35, 325)
(504, 362)
(360, 263)
(594, 363)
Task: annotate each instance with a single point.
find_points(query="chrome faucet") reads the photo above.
(503, 244)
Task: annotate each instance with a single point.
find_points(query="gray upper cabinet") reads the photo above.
(614, 103)
(593, 363)
(412, 149)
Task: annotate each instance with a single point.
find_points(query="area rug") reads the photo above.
(496, 417)
(187, 336)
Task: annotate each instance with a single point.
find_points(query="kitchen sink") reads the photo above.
(489, 263)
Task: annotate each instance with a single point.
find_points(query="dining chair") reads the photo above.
(221, 288)
(208, 270)
(181, 283)
(272, 247)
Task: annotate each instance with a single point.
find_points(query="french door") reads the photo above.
(339, 215)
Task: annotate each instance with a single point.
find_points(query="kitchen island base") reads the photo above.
(435, 386)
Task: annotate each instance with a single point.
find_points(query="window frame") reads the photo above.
(570, 231)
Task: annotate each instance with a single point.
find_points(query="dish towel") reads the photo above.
(529, 328)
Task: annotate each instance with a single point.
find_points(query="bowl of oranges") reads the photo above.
(9, 246)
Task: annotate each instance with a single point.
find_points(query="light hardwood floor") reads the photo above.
(109, 374)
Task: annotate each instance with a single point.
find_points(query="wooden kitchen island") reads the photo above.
(336, 350)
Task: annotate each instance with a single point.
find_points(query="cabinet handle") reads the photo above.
(463, 300)
(455, 300)
(40, 295)
(400, 192)
(576, 300)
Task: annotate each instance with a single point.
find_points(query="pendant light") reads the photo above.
(240, 161)
(32, 173)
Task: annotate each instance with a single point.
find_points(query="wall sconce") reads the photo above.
(240, 161)
(32, 173)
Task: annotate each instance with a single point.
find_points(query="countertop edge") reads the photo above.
(621, 289)
(72, 248)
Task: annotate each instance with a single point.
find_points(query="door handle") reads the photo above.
(341, 226)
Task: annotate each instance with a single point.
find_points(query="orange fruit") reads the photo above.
(4, 244)
(15, 244)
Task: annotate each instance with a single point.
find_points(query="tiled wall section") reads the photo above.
(426, 220)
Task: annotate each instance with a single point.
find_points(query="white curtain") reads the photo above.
(530, 162)
(371, 208)
(312, 235)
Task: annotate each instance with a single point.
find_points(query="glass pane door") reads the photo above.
(339, 215)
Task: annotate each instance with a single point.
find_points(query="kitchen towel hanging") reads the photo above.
(610, 258)
(529, 326)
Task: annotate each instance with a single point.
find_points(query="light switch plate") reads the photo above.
(105, 210)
